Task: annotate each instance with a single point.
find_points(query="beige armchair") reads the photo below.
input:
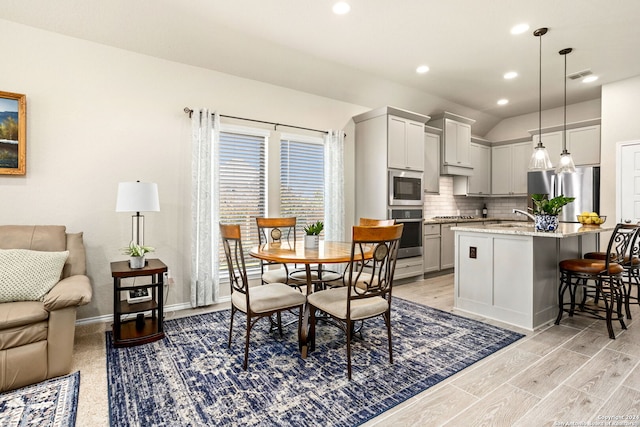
(36, 337)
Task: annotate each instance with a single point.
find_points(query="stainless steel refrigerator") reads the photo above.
(584, 185)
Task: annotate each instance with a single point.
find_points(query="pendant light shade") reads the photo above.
(540, 158)
(565, 165)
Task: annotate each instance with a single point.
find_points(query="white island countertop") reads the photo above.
(520, 228)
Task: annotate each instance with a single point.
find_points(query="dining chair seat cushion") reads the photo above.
(360, 283)
(334, 302)
(276, 275)
(635, 261)
(590, 266)
(269, 297)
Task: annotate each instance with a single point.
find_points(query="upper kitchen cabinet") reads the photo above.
(510, 164)
(386, 137)
(583, 142)
(478, 184)
(431, 180)
(405, 145)
(398, 132)
(456, 140)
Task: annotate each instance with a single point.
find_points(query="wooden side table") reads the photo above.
(143, 329)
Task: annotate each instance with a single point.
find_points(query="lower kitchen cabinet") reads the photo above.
(408, 267)
(431, 248)
(447, 246)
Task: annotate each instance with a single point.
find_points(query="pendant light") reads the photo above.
(540, 158)
(565, 165)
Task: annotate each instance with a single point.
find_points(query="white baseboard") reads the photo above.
(167, 308)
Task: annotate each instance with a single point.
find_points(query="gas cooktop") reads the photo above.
(455, 217)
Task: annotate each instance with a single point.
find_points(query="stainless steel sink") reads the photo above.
(514, 225)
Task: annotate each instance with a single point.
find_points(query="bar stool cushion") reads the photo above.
(635, 261)
(590, 266)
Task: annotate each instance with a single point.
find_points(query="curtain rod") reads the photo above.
(189, 111)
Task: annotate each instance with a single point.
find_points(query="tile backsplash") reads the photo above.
(446, 203)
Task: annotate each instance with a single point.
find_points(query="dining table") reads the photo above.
(327, 252)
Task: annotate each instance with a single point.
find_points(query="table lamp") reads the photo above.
(137, 197)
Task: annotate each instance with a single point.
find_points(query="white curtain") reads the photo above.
(334, 186)
(205, 137)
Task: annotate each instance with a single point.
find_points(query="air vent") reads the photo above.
(579, 74)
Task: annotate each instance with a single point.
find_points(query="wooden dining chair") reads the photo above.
(362, 299)
(276, 230)
(370, 222)
(257, 301)
(365, 222)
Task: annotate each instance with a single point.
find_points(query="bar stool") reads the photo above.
(597, 278)
(631, 265)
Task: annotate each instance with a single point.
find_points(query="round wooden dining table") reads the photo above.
(328, 252)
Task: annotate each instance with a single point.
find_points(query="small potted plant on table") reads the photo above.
(136, 253)
(546, 210)
(312, 235)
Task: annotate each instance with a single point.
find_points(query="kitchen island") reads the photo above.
(509, 271)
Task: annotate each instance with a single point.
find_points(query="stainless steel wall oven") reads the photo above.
(411, 240)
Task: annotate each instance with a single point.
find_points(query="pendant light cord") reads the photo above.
(539, 33)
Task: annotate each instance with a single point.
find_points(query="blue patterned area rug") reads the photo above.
(191, 378)
(50, 403)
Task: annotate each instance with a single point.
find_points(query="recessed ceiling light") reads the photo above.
(519, 29)
(589, 79)
(341, 8)
(422, 69)
(510, 75)
(503, 101)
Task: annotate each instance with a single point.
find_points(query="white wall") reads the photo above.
(98, 115)
(518, 127)
(620, 108)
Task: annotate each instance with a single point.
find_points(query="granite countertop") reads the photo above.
(565, 229)
(456, 220)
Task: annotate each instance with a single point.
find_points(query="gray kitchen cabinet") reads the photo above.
(431, 180)
(405, 145)
(478, 184)
(456, 138)
(447, 246)
(583, 142)
(584, 145)
(408, 267)
(431, 248)
(510, 164)
(372, 150)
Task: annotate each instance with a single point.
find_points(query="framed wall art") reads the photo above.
(13, 133)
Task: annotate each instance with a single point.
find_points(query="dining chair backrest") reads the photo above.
(375, 278)
(232, 243)
(369, 222)
(621, 244)
(276, 230)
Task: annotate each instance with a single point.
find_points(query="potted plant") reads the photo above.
(136, 253)
(546, 210)
(312, 235)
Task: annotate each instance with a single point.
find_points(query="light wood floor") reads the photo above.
(571, 374)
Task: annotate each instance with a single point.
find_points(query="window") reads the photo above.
(245, 171)
(242, 170)
(302, 179)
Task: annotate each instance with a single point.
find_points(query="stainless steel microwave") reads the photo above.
(405, 188)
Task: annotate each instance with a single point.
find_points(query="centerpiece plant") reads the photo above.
(546, 210)
(312, 235)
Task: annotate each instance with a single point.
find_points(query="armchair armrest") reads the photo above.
(71, 291)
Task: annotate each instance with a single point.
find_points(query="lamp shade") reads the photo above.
(137, 197)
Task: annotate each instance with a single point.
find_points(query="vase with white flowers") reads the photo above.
(136, 254)
(312, 235)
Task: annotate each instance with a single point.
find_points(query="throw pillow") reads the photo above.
(27, 275)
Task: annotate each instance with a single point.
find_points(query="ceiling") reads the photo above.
(302, 45)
